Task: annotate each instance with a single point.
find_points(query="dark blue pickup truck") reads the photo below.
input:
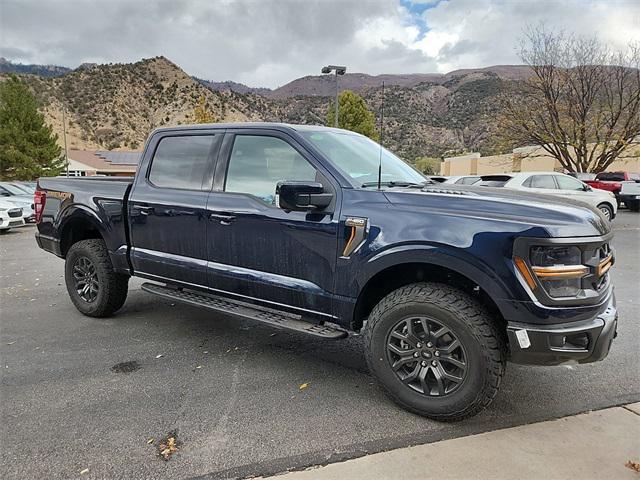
(322, 231)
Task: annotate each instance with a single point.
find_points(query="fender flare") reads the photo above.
(76, 212)
(451, 258)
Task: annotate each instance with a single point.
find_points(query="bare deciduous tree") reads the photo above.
(581, 104)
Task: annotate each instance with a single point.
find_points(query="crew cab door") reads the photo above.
(257, 251)
(168, 206)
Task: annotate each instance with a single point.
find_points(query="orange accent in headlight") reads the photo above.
(604, 265)
(521, 265)
(561, 271)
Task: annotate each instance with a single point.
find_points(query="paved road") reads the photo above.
(63, 409)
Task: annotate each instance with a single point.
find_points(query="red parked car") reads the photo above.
(611, 181)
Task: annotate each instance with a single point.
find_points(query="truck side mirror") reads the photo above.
(302, 196)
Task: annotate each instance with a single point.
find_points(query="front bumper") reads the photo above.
(629, 197)
(576, 342)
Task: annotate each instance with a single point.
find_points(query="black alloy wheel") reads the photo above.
(94, 287)
(427, 356)
(86, 279)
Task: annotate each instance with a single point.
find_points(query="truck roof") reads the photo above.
(256, 125)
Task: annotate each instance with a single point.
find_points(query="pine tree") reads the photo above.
(28, 147)
(353, 115)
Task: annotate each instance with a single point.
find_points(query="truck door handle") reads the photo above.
(144, 210)
(223, 219)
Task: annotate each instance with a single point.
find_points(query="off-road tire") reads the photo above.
(483, 342)
(112, 286)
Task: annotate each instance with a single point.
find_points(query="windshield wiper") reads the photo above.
(394, 183)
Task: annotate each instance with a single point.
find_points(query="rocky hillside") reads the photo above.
(427, 119)
(115, 106)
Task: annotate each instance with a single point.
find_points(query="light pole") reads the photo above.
(64, 132)
(339, 71)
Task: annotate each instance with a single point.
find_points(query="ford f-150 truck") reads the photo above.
(322, 231)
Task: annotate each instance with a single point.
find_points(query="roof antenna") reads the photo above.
(381, 138)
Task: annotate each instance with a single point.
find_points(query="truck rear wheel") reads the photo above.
(94, 288)
(435, 350)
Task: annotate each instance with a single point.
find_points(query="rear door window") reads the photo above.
(182, 162)
(541, 181)
(468, 180)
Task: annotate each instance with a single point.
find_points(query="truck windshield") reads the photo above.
(358, 157)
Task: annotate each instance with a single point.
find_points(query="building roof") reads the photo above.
(120, 158)
(98, 162)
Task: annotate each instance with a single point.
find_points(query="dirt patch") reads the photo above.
(126, 367)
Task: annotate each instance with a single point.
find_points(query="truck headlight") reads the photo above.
(559, 269)
(564, 271)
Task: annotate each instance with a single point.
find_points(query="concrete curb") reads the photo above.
(592, 445)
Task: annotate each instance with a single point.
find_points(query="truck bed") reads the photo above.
(99, 201)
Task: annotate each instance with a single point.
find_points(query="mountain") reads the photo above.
(7, 66)
(233, 86)
(324, 85)
(115, 106)
(427, 119)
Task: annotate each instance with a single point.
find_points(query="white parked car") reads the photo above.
(10, 216)
(557, 184)
(464, 179)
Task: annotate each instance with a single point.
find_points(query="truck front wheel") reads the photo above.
(94, 288)
(435, 350)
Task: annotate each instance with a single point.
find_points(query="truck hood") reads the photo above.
(560, 217)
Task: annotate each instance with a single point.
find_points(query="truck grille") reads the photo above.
(15, 212)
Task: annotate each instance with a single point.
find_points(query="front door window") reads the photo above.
(258, 163)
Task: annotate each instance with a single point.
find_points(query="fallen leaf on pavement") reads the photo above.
(82, 472)
(635, 466)
(168, 446)
(11, 343)
(199, 366)
(303, 386)
(159, 356)
(150, 441)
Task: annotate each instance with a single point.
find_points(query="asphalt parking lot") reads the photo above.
(230, 389)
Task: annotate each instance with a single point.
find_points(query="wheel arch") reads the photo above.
(78, 224)
(399, 270)
(608, 204)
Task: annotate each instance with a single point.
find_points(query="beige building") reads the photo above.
(525, 159)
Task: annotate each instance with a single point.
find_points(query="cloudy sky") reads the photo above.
(270, 42)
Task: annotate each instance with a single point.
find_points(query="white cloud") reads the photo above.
(272, 42)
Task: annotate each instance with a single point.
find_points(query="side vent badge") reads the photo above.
(357, 229)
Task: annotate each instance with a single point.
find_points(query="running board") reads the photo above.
(275, 318)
